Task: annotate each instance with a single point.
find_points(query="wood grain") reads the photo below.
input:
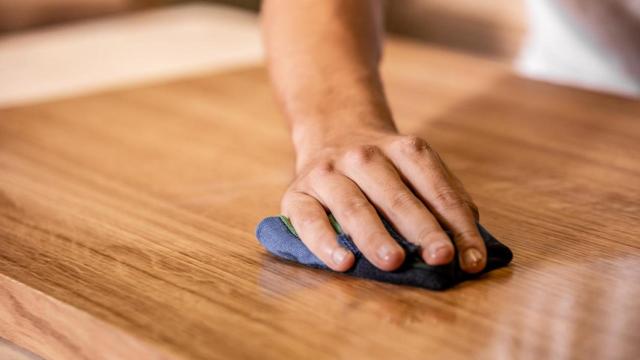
(127, 219)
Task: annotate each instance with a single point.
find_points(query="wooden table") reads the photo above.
(127, 224)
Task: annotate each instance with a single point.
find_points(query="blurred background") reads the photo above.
(56, 48)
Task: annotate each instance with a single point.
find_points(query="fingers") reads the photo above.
(414, 190)
(312, 225)
(423, 169)
(457, 185)
(381, 183)
(357, 217)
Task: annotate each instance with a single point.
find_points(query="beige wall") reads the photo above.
(21, 14)
(492, 27)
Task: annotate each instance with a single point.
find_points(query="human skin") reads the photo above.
(323, 58)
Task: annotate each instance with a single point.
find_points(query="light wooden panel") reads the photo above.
(127, 219)
(152, 45)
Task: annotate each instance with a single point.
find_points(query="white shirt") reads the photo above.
(556, 49)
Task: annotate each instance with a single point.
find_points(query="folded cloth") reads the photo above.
(279, 237)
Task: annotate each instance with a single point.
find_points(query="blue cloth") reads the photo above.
(274, 234)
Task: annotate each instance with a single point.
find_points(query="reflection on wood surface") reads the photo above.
(127, 220)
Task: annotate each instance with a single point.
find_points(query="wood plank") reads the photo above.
(127, 219)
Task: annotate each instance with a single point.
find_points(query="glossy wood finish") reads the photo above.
(127, 219)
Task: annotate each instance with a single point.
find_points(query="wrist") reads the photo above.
(330, 114)
(333, 112)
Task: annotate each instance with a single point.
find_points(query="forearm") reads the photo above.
(323, 58)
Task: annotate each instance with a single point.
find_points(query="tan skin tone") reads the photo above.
(323, 58)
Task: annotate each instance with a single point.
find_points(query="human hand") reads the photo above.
(404, 179)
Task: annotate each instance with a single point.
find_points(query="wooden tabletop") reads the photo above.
(127, 223)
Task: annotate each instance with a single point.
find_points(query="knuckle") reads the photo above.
(474, 209)
(414, 145)
(285, 204)
(307, 221)
(353, 206)
(373, 239)
(361, 154)
(323, 168)
(448, 199)
(288, 201)
(466, 238)
(402, 200)
(427, 234)
(292, 203)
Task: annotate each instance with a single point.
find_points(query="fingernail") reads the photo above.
(472, 257)
(386, 252)
(338, 255)
(438, 249)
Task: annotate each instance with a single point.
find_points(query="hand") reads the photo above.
(400, 176)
